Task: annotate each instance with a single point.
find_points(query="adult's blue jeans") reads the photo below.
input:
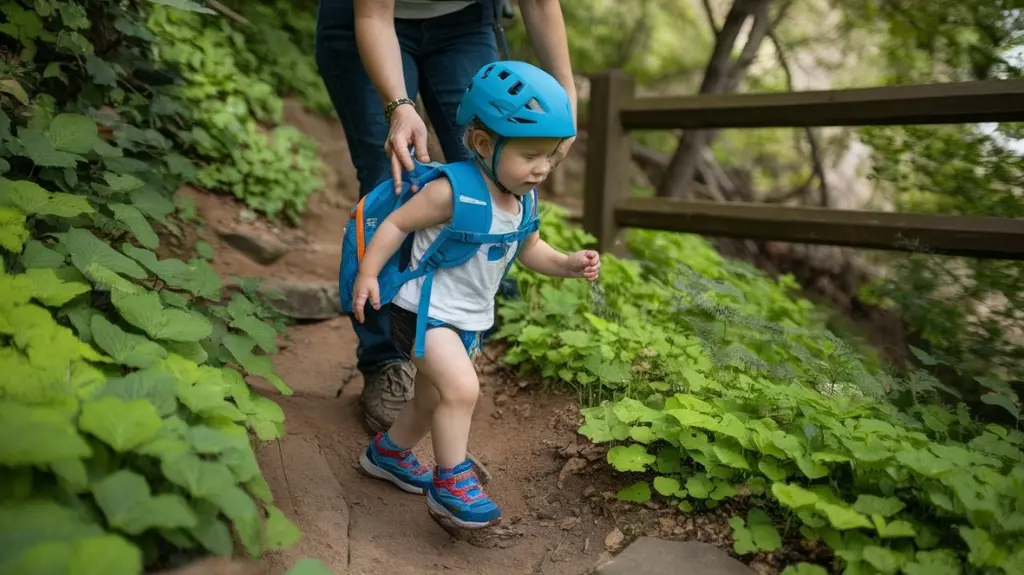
(439, 58)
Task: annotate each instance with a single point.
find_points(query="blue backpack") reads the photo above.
(458, 241)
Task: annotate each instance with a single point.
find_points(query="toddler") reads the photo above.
(516, 116)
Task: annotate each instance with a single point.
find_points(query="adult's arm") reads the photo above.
(382, 57)
(378, 47)
(546, 28)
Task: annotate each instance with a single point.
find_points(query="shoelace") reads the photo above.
(408, 461)
(465, 486)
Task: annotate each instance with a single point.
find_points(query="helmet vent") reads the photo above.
(515, 88)
(518, 120)
(487, 72)
(504, 74)
(534, 105)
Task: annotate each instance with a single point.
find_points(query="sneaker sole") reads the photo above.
(445, 517)
(379, 472)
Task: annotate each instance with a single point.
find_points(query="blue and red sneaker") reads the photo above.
(384, 460)
(456, 496)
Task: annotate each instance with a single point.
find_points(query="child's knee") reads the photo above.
(461, 391)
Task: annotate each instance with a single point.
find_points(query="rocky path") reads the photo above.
(559, 518)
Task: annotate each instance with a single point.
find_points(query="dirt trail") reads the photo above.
(360, 525)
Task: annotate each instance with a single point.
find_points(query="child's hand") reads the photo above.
(365, 288)
(585, 263)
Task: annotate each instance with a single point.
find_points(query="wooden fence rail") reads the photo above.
(614, 111)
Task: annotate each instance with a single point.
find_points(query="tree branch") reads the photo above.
(710, 13)
(818, 166)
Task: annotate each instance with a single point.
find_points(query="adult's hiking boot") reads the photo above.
(384, 394)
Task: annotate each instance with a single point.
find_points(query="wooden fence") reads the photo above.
(615, 110)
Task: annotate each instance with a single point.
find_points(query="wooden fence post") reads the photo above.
(608, 155)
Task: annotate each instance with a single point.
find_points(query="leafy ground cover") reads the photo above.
(128, 427)
(714, 385)
(231, 101)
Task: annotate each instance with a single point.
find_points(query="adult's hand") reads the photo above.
(407, 129)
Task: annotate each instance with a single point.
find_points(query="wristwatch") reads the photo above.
(394, 104)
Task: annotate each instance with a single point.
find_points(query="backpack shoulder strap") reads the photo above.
(471, 201)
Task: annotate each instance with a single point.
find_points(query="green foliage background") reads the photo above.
(128, 426)
(712, 383)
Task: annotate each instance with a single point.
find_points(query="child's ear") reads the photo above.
(481, 141)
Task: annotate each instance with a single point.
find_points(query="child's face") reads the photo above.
(523, 163)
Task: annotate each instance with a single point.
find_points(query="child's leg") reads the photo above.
(456, 493)
(413, 422)
(389, 456)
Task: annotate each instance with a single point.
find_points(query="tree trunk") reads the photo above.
(722, 75)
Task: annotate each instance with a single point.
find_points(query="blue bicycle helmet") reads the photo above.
(518, 100)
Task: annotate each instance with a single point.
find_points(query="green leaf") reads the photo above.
(639, 492)
(204, 250)
(152, 204)
(630, 458)
(938, 562)
(241, 348)
(87, 250)
(804, 569)
(872, 505)
(884, 559)
(38, 255)
(279, 531)
(730, 455)
(1002, 401)
(699, 486)
(262, 333)
(157, 387)
(126, 348)
(73, 16)
(144, 311)
(103, 555)
(121, 183)
(91, 555)
(100, 70)
(14, 88)
(187, 5)
(38, 147)
(309, 566)
(197, 276)
(37, 435)
(137, 224)
(121, 425)
(49, 289)
(202, 479)
(126, 501)
(12, 229)
(32, 199)
(793, 496)
(73, 133)
(667, 486)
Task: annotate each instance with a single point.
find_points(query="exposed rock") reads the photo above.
(652, 556)
(309, 494)
(304, 299)
(260, 246)
(613, 541)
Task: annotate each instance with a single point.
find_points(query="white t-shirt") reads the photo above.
(463, 295)
(423, 9)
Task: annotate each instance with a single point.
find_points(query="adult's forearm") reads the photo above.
(378, 47)
(545, 26)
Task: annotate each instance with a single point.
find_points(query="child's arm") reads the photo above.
(538, 255)
(430, 206)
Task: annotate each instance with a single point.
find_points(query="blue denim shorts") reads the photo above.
(403, 331)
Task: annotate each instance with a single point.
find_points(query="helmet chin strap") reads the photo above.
(492, 170)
